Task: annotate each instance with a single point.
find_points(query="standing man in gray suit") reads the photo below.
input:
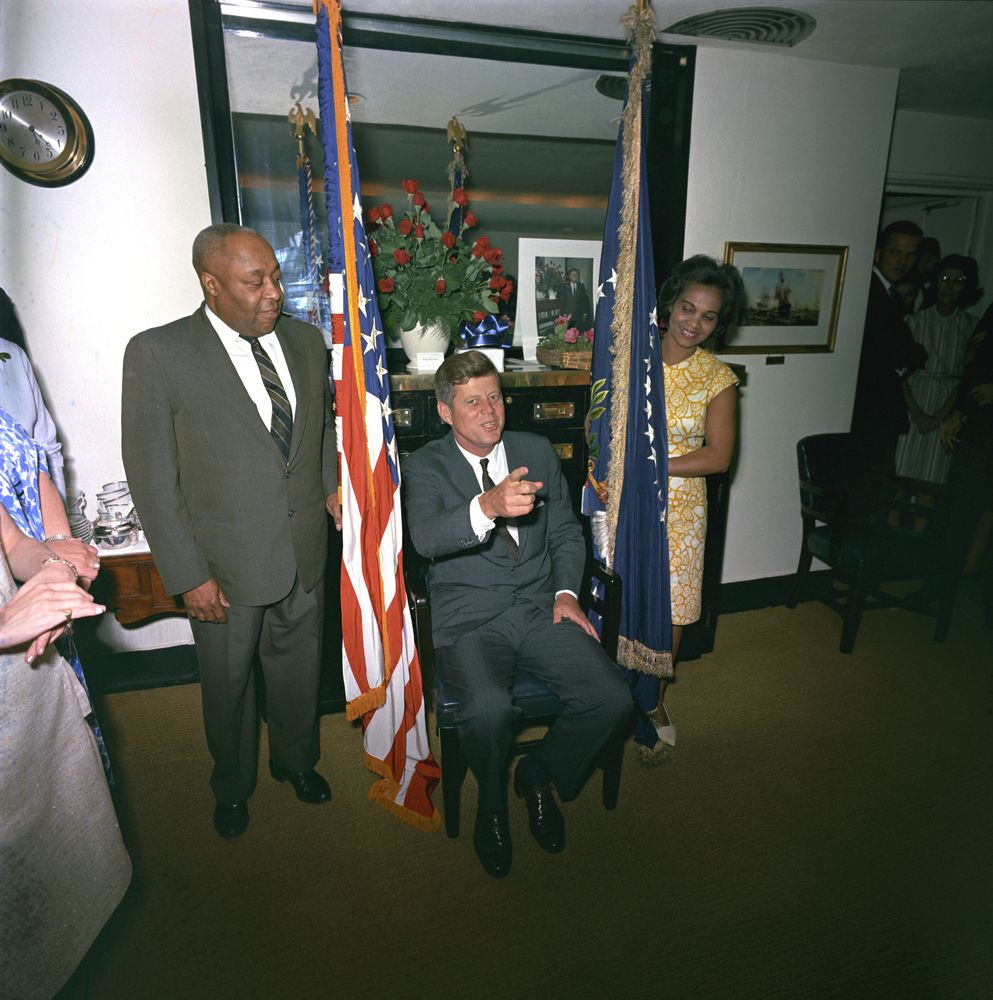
(492, 512)
(229, 449)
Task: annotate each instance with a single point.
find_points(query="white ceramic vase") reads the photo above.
(432, 337)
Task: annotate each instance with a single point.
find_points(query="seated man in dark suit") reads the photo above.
(492, 512)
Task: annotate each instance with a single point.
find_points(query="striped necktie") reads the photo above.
(500, 529)
(282, 416)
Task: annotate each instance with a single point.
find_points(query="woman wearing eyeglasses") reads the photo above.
(944, 331)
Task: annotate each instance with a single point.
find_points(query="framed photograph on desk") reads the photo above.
(554, 277)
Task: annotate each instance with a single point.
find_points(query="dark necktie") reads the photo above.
(897, 299)
(500, 529)
(282, 416)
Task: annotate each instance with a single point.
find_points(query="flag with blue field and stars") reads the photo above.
(626, 488)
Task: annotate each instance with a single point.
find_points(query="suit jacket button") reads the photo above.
(292, 512)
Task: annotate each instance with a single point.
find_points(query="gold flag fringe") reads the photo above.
(383, 793)
(640, 26)
(368, 702)
(636, 656)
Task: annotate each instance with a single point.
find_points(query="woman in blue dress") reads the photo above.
(35, 506)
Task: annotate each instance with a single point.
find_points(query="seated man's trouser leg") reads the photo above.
(479, 670)
(287, 635)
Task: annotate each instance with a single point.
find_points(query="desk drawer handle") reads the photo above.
(554, 411)
(563, 450)
(403, 417)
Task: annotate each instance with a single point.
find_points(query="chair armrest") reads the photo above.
(833, 506)
(415, 580)
(607, 603)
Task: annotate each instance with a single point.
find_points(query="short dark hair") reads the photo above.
(210, 241)
(902, 227)
(703, 270)
(971, 292)
(457, 369)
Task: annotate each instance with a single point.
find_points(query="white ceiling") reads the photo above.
(944, 48)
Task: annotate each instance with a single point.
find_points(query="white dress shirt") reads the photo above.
(497, 468)
(240, 353)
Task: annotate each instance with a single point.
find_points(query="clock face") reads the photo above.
(45, 138)
(33, 130)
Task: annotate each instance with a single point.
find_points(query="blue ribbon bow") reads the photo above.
(490, 331)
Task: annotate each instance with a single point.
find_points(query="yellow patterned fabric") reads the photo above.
(689, 388)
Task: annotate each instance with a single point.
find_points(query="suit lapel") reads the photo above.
(296, 361)
(461, 473)
(516, 457)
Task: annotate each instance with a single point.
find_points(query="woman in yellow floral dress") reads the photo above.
(697, 303)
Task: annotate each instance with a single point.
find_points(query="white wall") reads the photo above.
(91, 264)
(787, 151)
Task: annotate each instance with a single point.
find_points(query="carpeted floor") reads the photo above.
(824, 828)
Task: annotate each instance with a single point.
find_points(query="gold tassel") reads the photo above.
(636, 656)
(372, 699)
(383, 793)
(640, 26)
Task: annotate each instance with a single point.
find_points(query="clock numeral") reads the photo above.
(6, 113)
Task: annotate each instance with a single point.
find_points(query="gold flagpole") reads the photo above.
(301, 120)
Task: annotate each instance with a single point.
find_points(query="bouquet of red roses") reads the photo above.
(429, 275)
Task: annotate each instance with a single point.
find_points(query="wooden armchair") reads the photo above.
(866, 536)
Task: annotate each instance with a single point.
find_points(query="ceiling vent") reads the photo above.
(764, 25)
(614, 87)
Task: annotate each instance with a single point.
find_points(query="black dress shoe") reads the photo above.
(309, 785)
(491, 838)
(231, 819)
(544, 819)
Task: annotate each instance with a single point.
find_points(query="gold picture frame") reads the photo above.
(792, 297)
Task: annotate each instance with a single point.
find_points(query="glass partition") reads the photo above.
(540, 111)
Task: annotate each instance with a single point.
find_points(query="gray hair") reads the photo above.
(210, 242)
(457, 369)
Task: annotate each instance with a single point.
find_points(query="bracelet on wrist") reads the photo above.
(58, 538)
(65, 562)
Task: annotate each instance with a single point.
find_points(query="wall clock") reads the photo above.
(45, 138)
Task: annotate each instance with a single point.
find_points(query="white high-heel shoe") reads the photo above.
(666, 733)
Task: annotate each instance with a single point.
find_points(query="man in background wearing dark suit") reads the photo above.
(229, 448)
(889, 353)
(492, 512)
(576, 301)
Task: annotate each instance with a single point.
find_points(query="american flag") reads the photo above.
(626, 490)
(379, 659)
(318, 305)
